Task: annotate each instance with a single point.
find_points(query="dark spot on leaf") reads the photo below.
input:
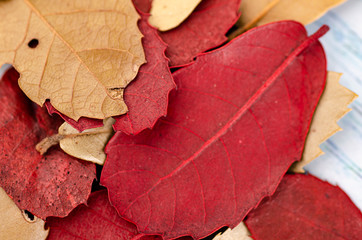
(33, 43)
(327, 196)
(28, 216)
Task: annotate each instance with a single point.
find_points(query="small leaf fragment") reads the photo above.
(240, 232)
(14, 224)
(78, 54)
(88, 145)
(332, 106)
(168, 14)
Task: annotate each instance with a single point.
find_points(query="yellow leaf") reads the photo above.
(79, 54)
(15, 223)
(240, 232)
(88, 145)
(332, 106)
(168, 14)
(255, 13)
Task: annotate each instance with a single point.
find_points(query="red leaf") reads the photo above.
(237, 122)
(304, 207)
(147, 95)
(82, 124)
(96, 220)
(50, 185)
(204, 29)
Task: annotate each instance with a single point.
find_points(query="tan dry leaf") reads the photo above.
(332, 106)
(88, 145)
(256, 13)
(79, 54)
(240, 232)
(168, 14)
(14, 223)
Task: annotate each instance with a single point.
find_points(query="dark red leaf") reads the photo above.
(147, 95)
(82, 124)
(204, 29)
(50, 185)
(304, 207)
(96, 220)
(236, 123)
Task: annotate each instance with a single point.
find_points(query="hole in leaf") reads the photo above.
(28, 216)
(33, 43)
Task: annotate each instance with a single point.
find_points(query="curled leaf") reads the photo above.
(168, 14)
(15, 224)
(81, 55)
(332, 106)
(88, 145)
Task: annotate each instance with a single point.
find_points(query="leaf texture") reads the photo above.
(236, 122)
(204, 29)
(80, 55)
(96, 220)
(49, 185)
(14, 224)
(304, 207)
(332, 107)
(147, 95)
(168, 14)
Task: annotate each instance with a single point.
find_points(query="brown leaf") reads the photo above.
(15, 223)
(79, 54)
(240, 232)
(168, 14)
(332, 106)
(256, 13)
(88, 145)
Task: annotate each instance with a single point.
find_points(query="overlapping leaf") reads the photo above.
(49, 185)
(147, 95)
(332, 107)
(96, 220)
(234, 126)
(168, 14)
(304, 207)
(204, 29)
(257, 13)
(79, 54)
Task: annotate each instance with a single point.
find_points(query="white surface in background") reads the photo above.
(342, 163)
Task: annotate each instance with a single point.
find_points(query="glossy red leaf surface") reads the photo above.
(304, 207)
(49, 185)
(96, 220)
(236, 123)
(204, 29)
(147, 95)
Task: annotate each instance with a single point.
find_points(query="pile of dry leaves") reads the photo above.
(196, 110)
